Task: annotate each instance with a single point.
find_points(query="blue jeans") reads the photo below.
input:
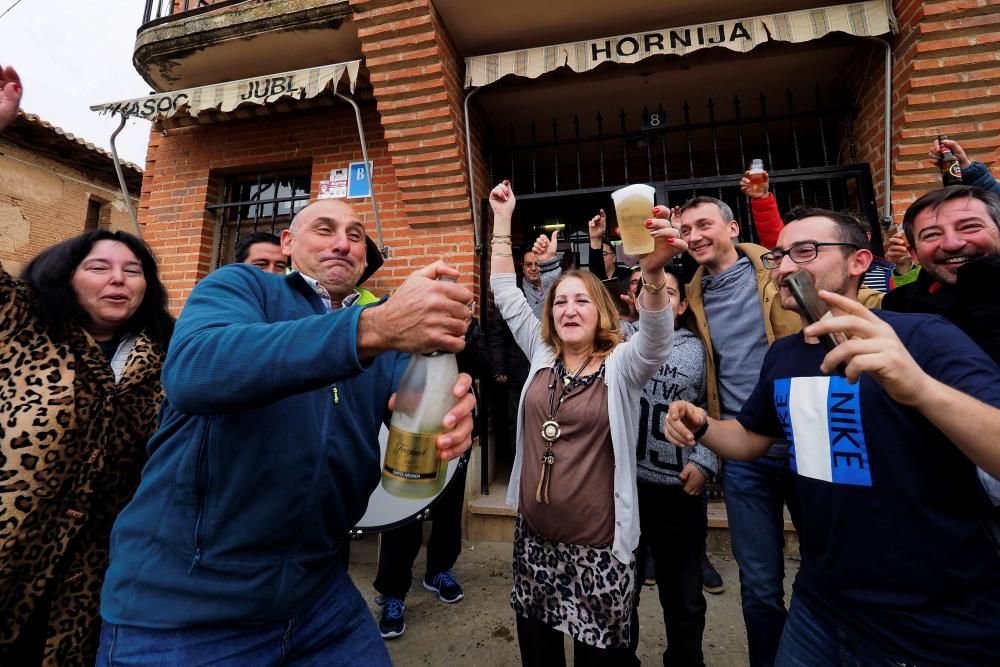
(755, 492)
(809, 642)
(337, 629)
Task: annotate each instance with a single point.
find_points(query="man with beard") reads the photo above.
(897, 562)
(954, 233)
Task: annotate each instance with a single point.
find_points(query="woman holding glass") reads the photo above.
(573, 481)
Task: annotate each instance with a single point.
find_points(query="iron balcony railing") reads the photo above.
(160, 11)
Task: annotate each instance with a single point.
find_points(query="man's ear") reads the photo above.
(734, 229)
(286, 242)
(859, 262)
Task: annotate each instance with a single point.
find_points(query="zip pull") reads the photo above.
(195, 560)
(336, 395)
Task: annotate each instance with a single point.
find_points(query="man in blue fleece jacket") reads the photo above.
(266, 455)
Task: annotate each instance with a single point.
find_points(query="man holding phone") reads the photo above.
(897, 563)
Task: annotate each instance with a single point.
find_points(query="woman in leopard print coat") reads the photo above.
(83, 336)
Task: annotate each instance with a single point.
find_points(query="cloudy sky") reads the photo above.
(71, 55)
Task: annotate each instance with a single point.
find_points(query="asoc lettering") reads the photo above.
(152, 106)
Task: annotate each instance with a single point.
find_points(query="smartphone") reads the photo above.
(804, 292)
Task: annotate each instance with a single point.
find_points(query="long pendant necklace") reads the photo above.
(551, 429)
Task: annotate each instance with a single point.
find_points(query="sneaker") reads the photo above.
(711, 580)
(391, 624)
(445, 585)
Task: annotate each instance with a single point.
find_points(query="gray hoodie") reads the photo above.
(682, 377)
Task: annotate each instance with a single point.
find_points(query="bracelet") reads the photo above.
(651, 288)
(697, 435)
(500, 238)
(502, 254)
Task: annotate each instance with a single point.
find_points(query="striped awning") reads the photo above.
(300, 84)
(867, 19)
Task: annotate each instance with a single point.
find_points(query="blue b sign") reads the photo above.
(359, 182)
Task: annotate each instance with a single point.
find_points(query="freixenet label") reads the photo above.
(411, 457)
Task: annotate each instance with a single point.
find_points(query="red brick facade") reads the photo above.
(945, 70)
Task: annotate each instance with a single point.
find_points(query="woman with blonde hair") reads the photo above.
(573, 481)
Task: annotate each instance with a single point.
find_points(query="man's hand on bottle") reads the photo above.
(458, 423)
(934, 154)
(424, 315)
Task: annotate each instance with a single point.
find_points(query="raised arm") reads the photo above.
(765, 213)
(10, 95)
(595, 229)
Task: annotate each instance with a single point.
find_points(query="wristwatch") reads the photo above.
(700, 432)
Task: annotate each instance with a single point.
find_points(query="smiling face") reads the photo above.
(267, 257)
(710, 237)
(327, 242)
(574, 314)
(532, 273)
(610, 259)
(835, 268)
(947, 237)
(109, 284)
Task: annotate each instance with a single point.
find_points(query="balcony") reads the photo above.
(185, 43)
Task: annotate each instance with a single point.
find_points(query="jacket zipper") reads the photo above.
(202, 498)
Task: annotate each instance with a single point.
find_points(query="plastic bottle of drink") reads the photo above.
(411, 468)
(951, 172)
(758, 179)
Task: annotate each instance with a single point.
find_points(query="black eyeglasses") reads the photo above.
(800, 253)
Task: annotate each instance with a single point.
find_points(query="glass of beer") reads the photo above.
(633, 206)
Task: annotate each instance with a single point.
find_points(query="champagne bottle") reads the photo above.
(411, 468)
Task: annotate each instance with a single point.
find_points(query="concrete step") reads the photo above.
(491, 520)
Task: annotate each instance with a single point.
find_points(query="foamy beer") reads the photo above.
(633, 206)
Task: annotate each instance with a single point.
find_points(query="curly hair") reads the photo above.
(607, 335)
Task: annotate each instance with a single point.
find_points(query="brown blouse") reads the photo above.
(581, 506)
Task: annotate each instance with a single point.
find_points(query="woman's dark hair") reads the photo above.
(52, 269)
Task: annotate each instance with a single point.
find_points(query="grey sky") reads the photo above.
(71, 55)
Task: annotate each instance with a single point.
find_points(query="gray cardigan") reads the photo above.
(628, 368)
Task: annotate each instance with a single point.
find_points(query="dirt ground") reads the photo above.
(479, 630)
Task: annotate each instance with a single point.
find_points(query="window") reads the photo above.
(264, 201)
(97, 213)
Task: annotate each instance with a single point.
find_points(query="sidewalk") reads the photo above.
(479, 630)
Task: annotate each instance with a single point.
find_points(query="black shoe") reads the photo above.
(711, 580)
(392, 624)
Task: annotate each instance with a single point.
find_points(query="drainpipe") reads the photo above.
(371, 176)
(121, 178)
(887, 138)
(484, 484)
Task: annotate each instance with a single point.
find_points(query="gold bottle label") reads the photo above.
(411, 457)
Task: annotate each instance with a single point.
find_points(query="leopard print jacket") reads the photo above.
(72, 446)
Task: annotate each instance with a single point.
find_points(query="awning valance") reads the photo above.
(868, 19)
(298, 84)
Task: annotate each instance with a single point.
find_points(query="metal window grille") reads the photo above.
(262, 202)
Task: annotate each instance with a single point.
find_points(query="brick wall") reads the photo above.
(946, 77)
(185, 172)
(43, 202)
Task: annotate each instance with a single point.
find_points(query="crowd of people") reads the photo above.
(167, 500)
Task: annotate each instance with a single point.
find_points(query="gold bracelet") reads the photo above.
(653, 289)
(501, 242)
(501, 238)
(502, 254)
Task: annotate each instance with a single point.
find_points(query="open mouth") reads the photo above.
(115, 298)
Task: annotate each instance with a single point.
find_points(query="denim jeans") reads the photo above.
(809, 642)
(337, 629)
(755, 492)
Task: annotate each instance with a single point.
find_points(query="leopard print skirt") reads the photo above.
(583, 591)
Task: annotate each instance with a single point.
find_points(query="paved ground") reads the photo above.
(479, 630)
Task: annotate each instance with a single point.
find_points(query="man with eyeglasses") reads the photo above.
(897, 563)
(736, 336)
